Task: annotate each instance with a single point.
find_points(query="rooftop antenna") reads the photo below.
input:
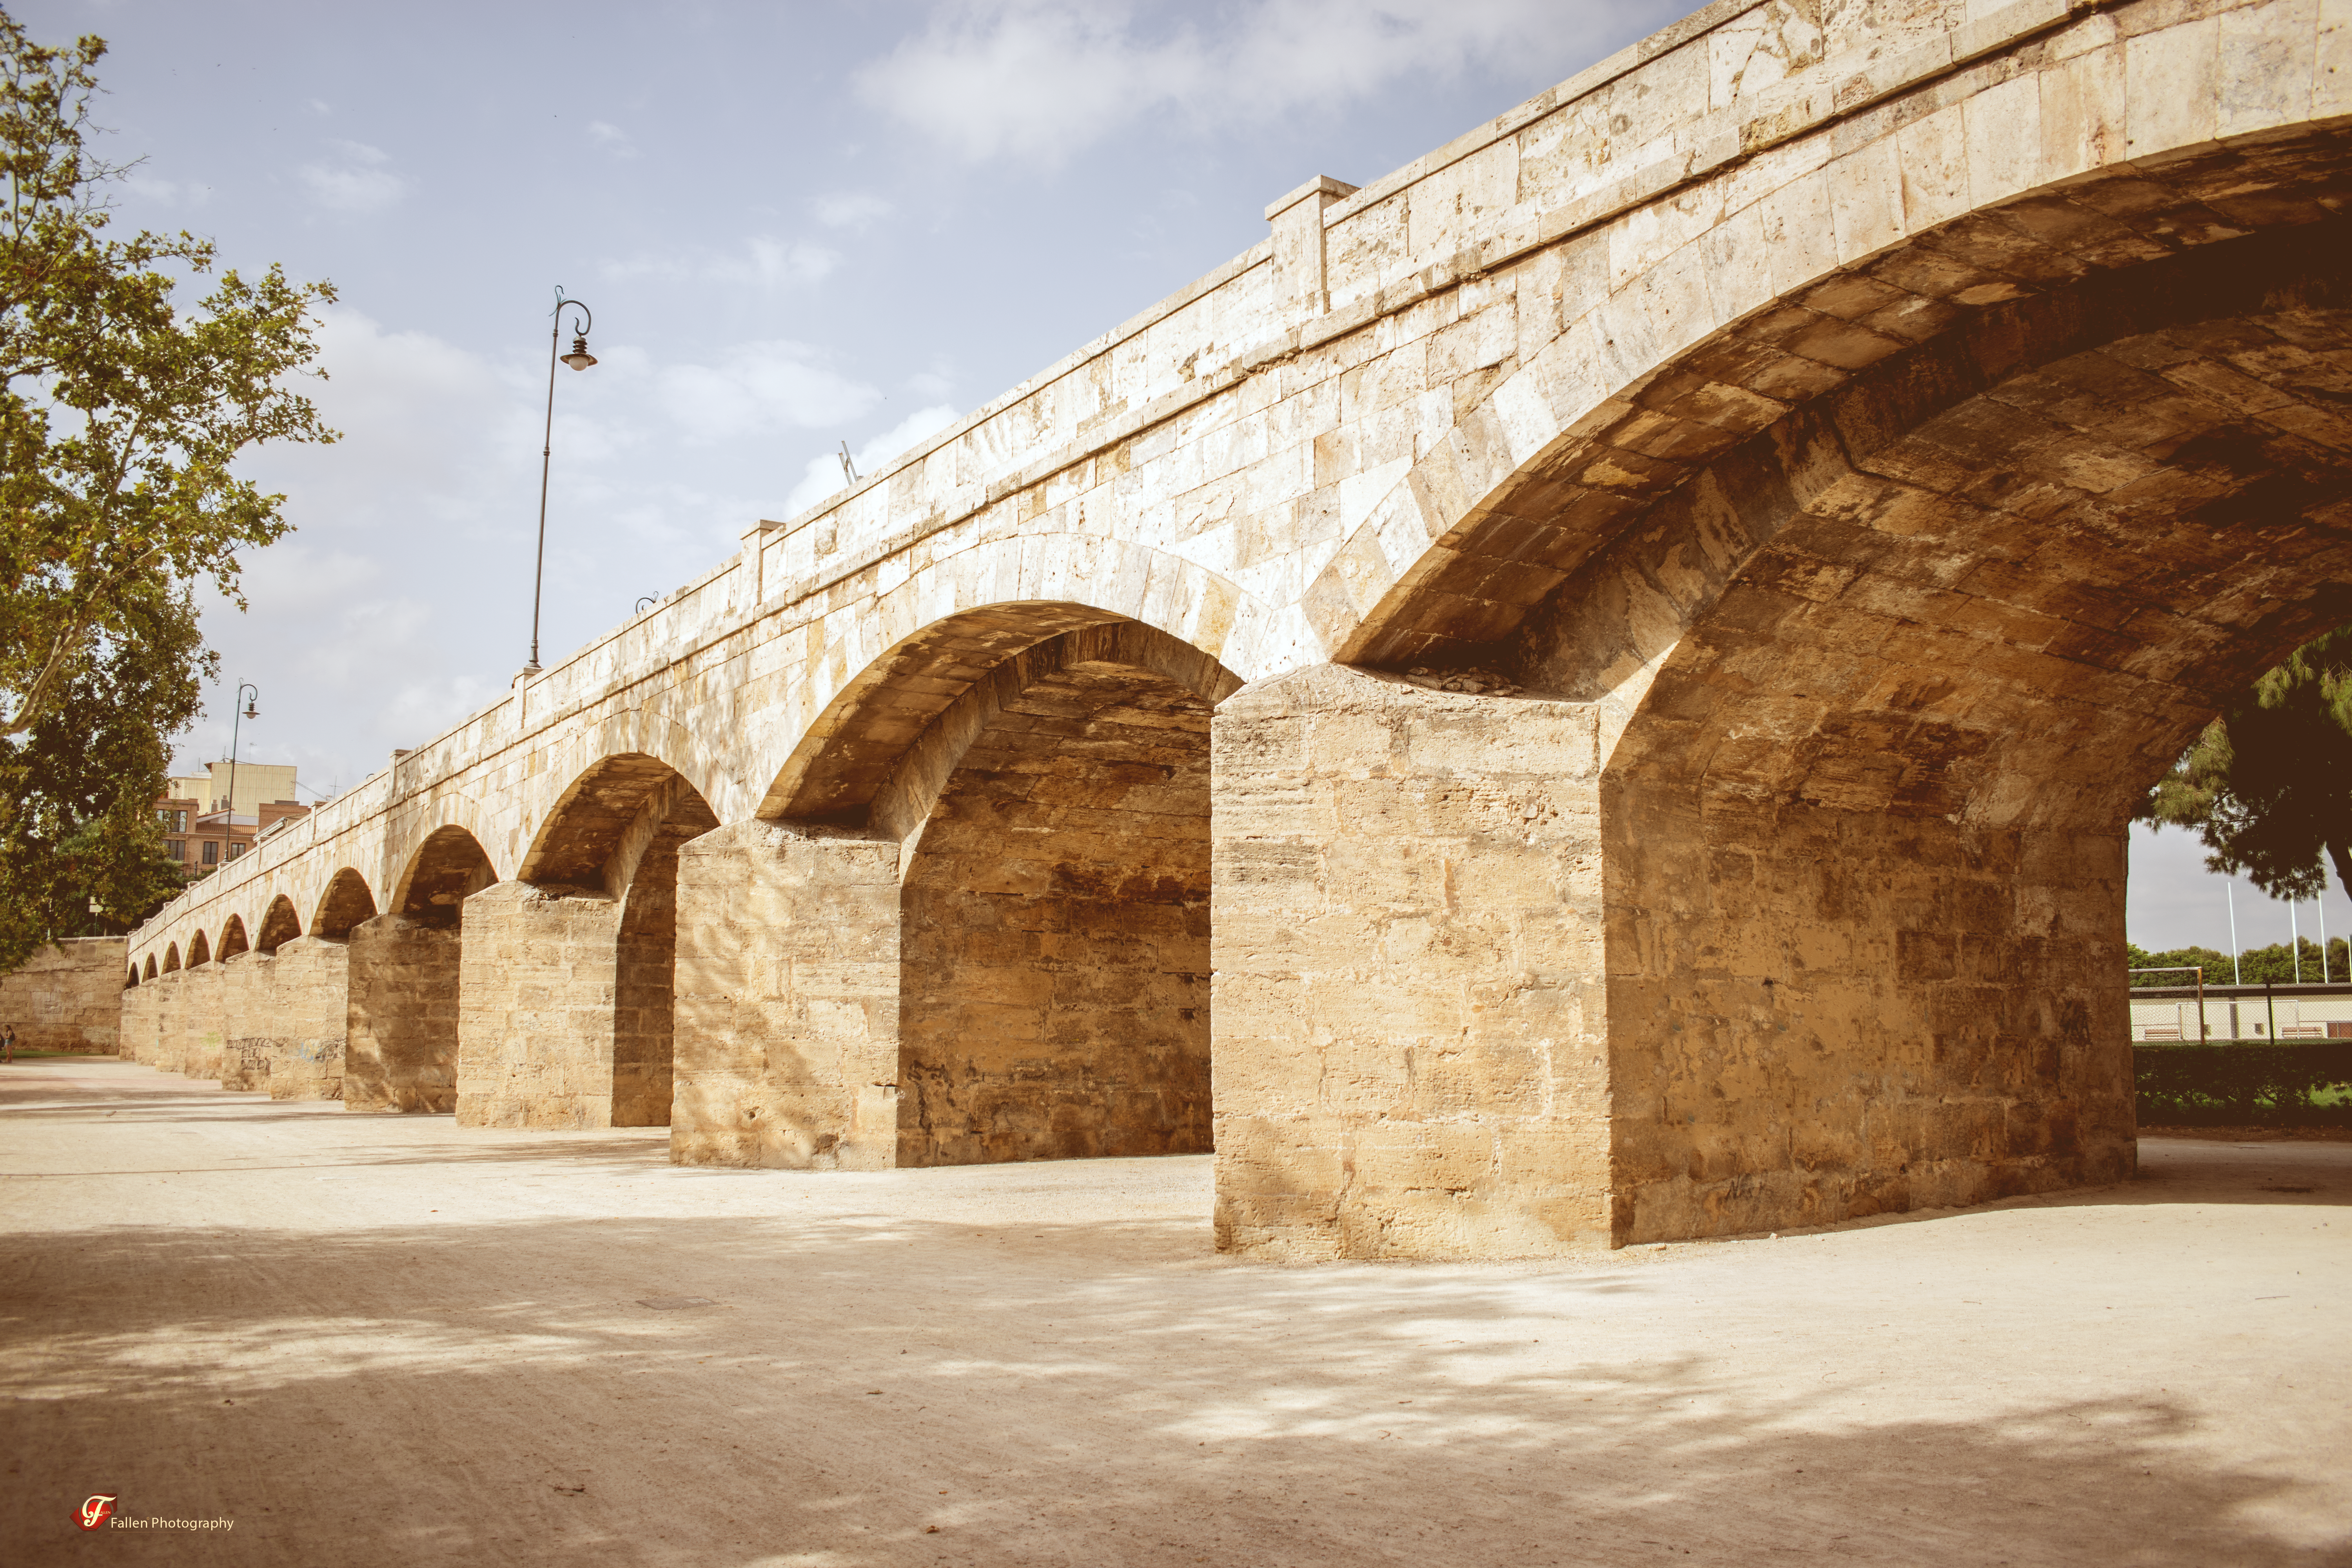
(849, 468)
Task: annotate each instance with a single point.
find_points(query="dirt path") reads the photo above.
(381, 1340)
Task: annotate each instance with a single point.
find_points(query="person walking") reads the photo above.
(7, 1042)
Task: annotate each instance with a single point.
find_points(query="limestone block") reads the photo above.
(249, 1011)
(787, 1000)
(201, 1021)
(538, 968)
(141, 1019)
(401, 983)
(1403, 1084)
(170, 1021)
(67, 996)
(308, 1037)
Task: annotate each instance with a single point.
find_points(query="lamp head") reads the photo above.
(249, 709)
(580, 357)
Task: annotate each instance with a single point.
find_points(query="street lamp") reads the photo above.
(243, 687)
(578, 359)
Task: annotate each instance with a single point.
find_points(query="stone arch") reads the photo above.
(1882, 645)
(597, 889)
(131, 980)
(171, 957)
(443, 870)
(886, 742)
(199, 950)
(1714, 341)
(993, 597)
(232, 938)
(1054, 959)
(279, 925)
(346, 903)
(869, 896)
(150, 964)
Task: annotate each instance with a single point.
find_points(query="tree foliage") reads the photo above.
(120, 416)
(2272, 965)
(2268, 786)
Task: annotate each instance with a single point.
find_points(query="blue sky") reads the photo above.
(798, 225)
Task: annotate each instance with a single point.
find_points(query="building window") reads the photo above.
(177, 848)
(212, 852)
(174, 821)
(237, 849)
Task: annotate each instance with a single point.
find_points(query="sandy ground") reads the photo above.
(381, 1340)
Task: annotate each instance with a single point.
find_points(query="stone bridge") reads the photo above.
(1587, 691)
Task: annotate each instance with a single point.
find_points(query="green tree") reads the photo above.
(2273, 964)
(119, 418)
(2268, 786)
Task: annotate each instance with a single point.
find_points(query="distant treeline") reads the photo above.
(2272, 965)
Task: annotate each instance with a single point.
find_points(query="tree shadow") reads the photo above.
(869, 1389)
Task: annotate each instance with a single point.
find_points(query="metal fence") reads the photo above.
(2221, 1013)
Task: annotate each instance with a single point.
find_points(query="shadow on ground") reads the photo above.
(390, 1394)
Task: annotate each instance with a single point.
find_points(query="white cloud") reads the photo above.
(850, 209)
(761, 386)
(612, 138)
(763, 261)
(822, 475)
(357, 179)
(167, 192)
(1039, 80)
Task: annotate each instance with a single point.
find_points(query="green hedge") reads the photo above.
(2305, 1083)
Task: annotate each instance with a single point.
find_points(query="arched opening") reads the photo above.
(1875, 669)
(981, 907)
(279, 925)
(448, 868)
(233, 940)
(199, 952)
(151, 966)
(1054, 946)
(575, 1026)
(171, 957)
(401, 974)
(346, 903)
(132, 979)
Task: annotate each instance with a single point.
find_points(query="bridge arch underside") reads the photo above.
(985, 937)
(568, 971)
(1873, 683)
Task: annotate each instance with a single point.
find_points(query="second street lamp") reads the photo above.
(578, 359)
(250, 695)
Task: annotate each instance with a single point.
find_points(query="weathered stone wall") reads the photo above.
(787, 1000)
(171, 1020)
(401, 1045)
(1054, 957)
(67, 996)
(1858, 1014)
(644, 986)
(535, 999)
(249, 1010)
(141, 1019)
(1410, 1018)
(308, 1035)
(202, 1026)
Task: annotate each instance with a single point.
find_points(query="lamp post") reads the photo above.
(578, 359)
(250, 702)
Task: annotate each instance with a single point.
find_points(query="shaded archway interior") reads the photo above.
(233, 939)
(1055, 935)
(1891, 671)
(199, 950)
(833, 773)
(346, 903)
(449, 867)
(279, 925)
